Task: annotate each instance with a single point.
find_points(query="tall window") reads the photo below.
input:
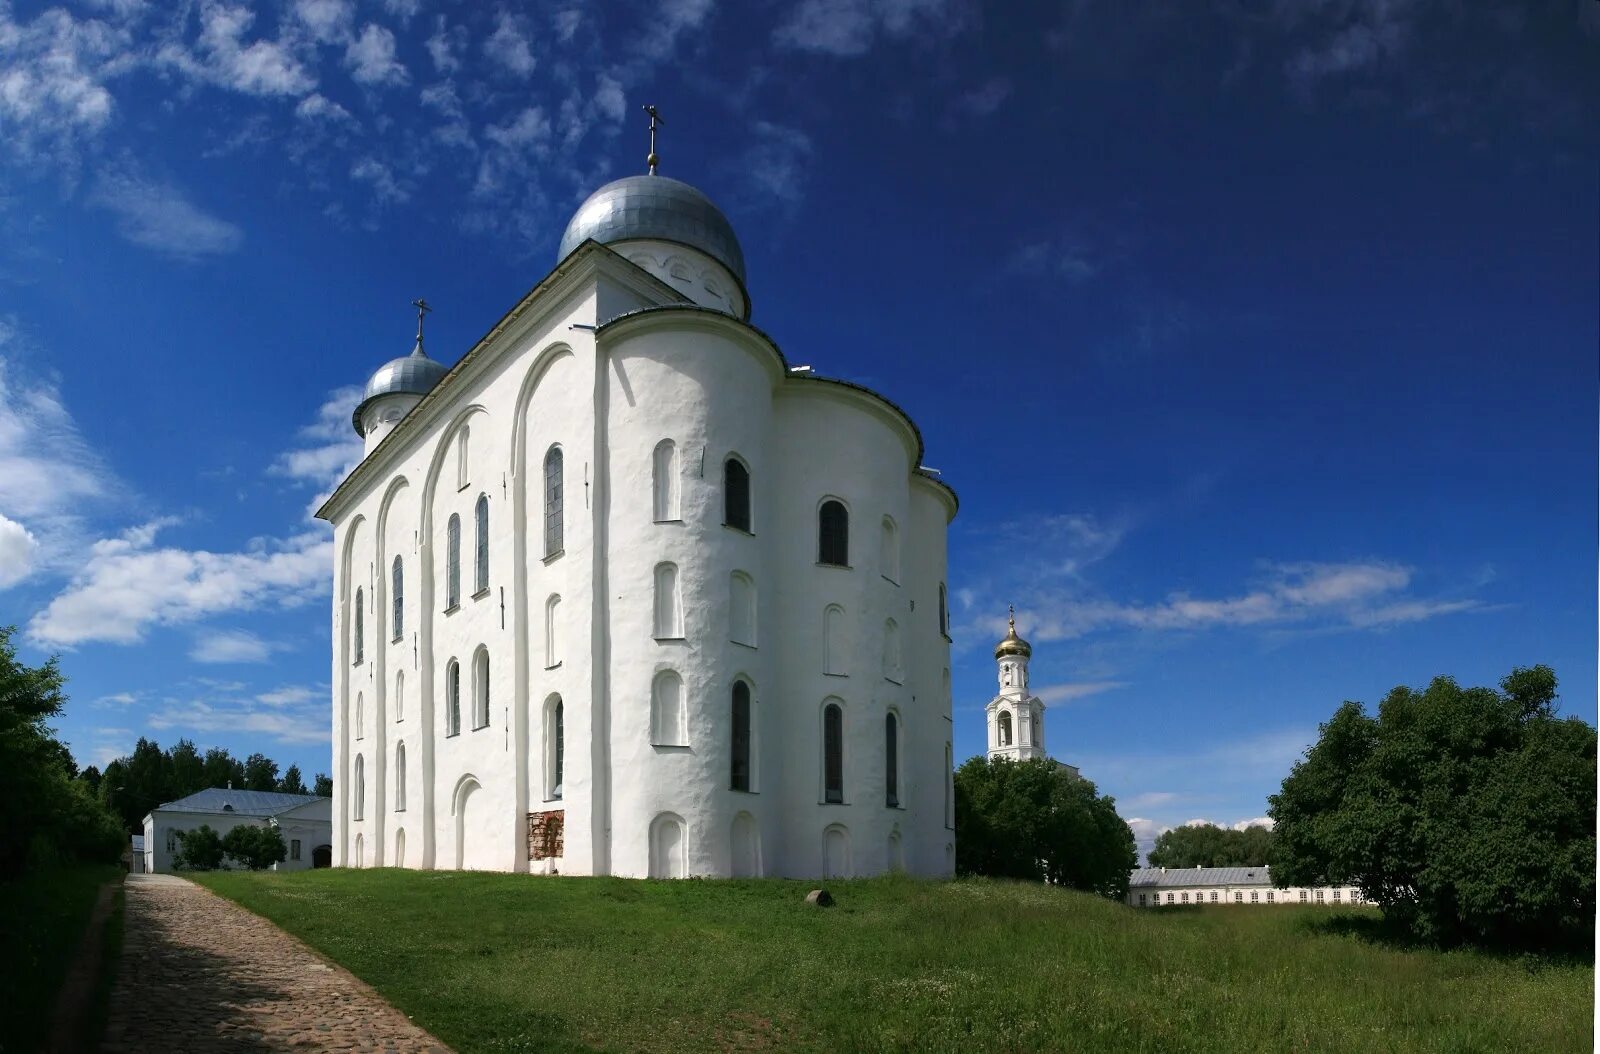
(949, 788)
(452, 562)
(361, 716)
(553, 541)
(944, 612)
(891, 650)
(741, 736)
(400, 778)
(669, 613)
(360, 627)
(359, 805)
(833, 534)
(833, 754)
(400, 695)
(666, 711)
(664, 464)
(889, 551)
(555, 747)
(480, 515)
(1005, 728)
(398, 588)
(452, 698)
(461, 458)
(891, 760)
(741, 609)
(736, 494)
(480, 688)
(833, 647)
(552, 645)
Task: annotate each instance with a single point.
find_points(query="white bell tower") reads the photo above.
(1016, 717)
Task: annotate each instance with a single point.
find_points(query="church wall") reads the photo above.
(693, 273)
(353, 679)
(929, 844)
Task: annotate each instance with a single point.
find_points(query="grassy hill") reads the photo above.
(512, 963)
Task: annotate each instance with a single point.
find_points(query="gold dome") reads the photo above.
(1013, 644)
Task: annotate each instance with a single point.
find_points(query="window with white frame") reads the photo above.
(480, 518)
(360, 627)
(833, 754)
(664, 482)
(833, 534)
(668, 727)
(554, 499)
(452, 698)
(452, 563)
(398, 587)
(668, 609)
(480, 688)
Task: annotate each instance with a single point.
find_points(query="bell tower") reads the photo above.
(1016, 716)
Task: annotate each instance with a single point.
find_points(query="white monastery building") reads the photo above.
(1160, 887)
(624, 593)
(1016, 715)
(304, 820)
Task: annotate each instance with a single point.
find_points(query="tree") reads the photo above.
(1207, 845)
(1036, 820)
(260, 773)
(1466, 814)
(291, 782)
(186, 770)
(255, 847)
(222, 769)
(323, 786)
(198, 850)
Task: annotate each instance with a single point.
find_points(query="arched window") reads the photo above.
(452, 562)
(452, 698)
(833, 649)
(359, 804)
(944, 611)
(480, 515)
(891, 760)
(667, 847)
(669, 613)
(833, 534)
(889, 551)
(553, 496)
(741, 736)
(891, 650)
(552, 650)
(461, 458)
(555, 748)
(833, 753)
(480, 688)
(664, 503)
(736, 494)
(400, 778)
(741, 609)
(398, 587)
(360, 627)
(400, 695)
(666, 711)
(361, 716)
(836, 852)
(1005, 728)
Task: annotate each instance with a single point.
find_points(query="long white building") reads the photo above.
(1160, 887)
(624, 593)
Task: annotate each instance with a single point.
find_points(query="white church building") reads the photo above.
(624, 593)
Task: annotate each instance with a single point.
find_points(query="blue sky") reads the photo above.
(1259, 338)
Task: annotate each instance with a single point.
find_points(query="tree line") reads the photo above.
(1207, 845)
(134, 784)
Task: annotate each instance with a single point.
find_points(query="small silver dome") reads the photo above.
(413, 374)
(659, 208)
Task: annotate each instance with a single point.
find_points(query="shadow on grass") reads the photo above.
(1374, 928)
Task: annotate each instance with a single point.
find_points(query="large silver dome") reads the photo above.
(413, 374)
(659, 208)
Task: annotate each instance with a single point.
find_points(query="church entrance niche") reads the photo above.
(470, 838)
(322, 856)
(835, 852)
(746, 847)
(361, 851)
(667, 847)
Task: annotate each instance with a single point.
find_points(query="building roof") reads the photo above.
(243, 802)
(657, 208)
(413, 374)
(1200, 876)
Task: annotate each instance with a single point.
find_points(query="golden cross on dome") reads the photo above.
(655, 122)
(1012, 619)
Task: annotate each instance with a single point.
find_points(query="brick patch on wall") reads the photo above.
(544, 834)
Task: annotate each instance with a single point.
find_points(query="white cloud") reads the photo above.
(328, 448)
(984, 100)
(293, 695)
(230, 646)
(1069, 256)
(404, 10)
(262, 67)
(328, 21)
(774, 167)
(1066, 693)
(848, 28)
(52, 80)
(446, 45)
(127, 585)
(116, 699)
(386, 189)
(19, 552)
(371, 58)
(157, 216)
(509, 46)
(287, 725)
(515, 147)
(567, 22)
(319, 107)
(1376, 33)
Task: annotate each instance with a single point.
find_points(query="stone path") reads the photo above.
(199, 973)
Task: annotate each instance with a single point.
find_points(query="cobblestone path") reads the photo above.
(199, 973)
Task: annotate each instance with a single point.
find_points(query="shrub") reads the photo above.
(198, 850)
(255, 847)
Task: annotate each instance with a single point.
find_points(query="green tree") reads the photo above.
(260, 773)
(255, 847)
(322, 787)
(222, 769)
(1207, 845)
(292, 783)
(186, 770)
(1466, 814)
(198, 850)
(1036, 820)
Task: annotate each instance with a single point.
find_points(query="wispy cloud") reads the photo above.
(160, 217)
(53, 81)
(850, 28)
(230, 646)
(509, 48)
(372, 61)
(222, 57)
(984, 100)
(307, 724)
(327, 449)
(1066, 693)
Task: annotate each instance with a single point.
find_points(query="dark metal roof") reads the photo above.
(242, 802)
(1200, 876)
(413, 374)
(658, 208)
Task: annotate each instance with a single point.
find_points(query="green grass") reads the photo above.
(42, 920)
(513, 963)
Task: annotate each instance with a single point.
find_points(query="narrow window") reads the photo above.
(1005, 728)
(944, 612)
(666, 711)
(1319, 896)
(741, 609)
(1183, 898)
(172, 840)
(452, 698)
(553, 541)
(1141, 900)
(361, 627)
(669, 616)
(461, 458)
(359, 805)
(452, 563)
(833, 534)
(889, 551)
(665, 497)
(1336, 896)
(480, 515)
(294, 849)
(949, 787)
(891, 650)
(741, 736)
(400, 778)
(736, 494)
(1255, 897)
(1271, 896)
(1214, 897)
(480, 688)
(833, 754)
(400, 695)
(552, 652)
(891, 760)
(556, 756)
(833, 647)
(1238, 898)
(398, 616)
(1302, 896)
